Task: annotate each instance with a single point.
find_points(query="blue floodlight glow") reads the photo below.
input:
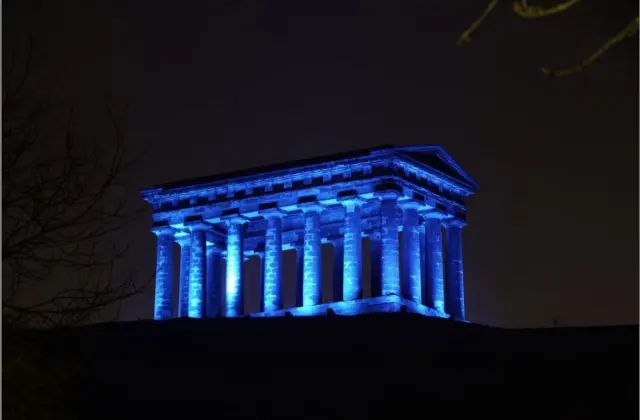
(185, 274)
(197, 273)
(352, 263)
(235, 259)
(374, 193)
(272, 273)
(411, 256)
(389, 248)
(434, 276)
(312, 282)
(163, 307)
(454, 285)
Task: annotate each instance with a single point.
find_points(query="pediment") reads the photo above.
(438, 160)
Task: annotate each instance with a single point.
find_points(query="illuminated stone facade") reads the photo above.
(338, 200)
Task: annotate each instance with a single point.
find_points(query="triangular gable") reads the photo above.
(437, 158)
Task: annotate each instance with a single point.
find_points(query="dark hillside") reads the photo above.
(376, 366)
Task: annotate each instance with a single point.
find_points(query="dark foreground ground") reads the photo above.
(386, 366)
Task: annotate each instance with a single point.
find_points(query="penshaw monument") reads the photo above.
(409, 201)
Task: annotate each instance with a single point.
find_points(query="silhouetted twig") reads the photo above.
(61, 207)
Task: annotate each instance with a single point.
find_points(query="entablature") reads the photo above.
(301, 179)
(327, 196)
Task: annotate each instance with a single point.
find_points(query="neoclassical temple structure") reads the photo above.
(375, 193)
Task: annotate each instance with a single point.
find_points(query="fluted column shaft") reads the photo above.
(352, 269)
(183, 288)
(272, 273)
(338, 270)
(312, 285)
(197, 272)
(213, 286)
(389, 247)
(454, 285)
(234, 290)
(163, 304)
(411, 278)
(434, 275)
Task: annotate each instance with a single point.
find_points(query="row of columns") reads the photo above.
(423, 279)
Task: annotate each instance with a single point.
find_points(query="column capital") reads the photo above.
(275, 213)
(233, 220)
(197, 225)
(387, 195)
(311, 206)
(271, 210)
(429, 215)
(454, 223)
(162, 230)
(351, 202)
(409, 204)
(182, 239)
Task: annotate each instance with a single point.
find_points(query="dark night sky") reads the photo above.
(223, 85)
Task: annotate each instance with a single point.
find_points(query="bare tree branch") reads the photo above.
(522, 9)
(526, 11)
(465, 37)
(62, 208)
(628, 31)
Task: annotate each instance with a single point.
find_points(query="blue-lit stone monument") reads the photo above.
(401, 198)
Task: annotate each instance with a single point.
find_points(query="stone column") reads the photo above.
(411, 278)
(312, 282)
(454, 284)
(376, 265)
(213, 285)
(163, 304)
(197, 271)
(272, 273)
(234, 304)
(352, 288)
(299, 274)
(183, 290)
(434, 269)
(389, 246)
(338, 269)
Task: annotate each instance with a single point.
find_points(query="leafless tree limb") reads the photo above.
(628, 31)
(61, 209)
(522, 9)
(526, 11)
(465, 37)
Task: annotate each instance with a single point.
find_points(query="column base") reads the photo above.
(381, 304)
